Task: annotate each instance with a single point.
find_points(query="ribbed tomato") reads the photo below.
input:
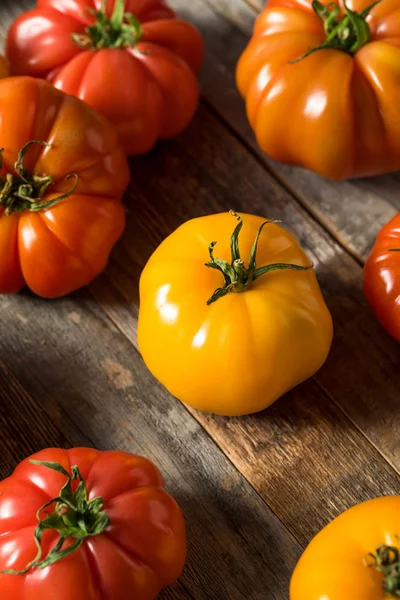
(133, 61)
(122, 535)
(60, 201)
(322, 81)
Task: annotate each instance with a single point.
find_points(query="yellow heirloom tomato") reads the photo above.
(231, 337)
(356, 557)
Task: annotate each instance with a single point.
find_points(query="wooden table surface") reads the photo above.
(256, 489)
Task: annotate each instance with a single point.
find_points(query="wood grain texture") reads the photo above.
(9, 9)
(353, 211)
(18, 411)
(237, 12)
(256, 5)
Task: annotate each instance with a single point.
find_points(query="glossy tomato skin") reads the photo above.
(63, 248)
(243, 352)
(382, 278)
(333, 566)
(331, 112)
(142, 550)
(148, 93)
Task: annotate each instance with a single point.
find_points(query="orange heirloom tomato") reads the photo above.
(322, 82)
(87, 525)
(63, 173)
(134, 61)
(356, 557)
(382, 277)
(229, 337)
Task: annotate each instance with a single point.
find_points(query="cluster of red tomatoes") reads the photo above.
(97, 81)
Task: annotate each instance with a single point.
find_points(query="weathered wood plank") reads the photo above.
(294, 454)
(69, 353)
(206, 170)
(352, 211)
(19, 414)
(9, 9)
(256, 5)
(236, 12)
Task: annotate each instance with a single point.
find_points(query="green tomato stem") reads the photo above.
(347, 33)
(75, 517)
(121, 30)
(238, 277)
(24, 191)
(386, 560)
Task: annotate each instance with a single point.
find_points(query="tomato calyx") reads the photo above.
(75, 517)
(348, 32)
(238, 277)
(25, 191)
(121, 30)
(386, 560)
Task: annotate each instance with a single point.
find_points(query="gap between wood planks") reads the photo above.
(255, 5)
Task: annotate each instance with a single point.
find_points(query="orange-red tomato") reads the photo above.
(382, 277)
(335, 111)
(127, 533)
(356, 557)
(139, 71)
(55, 249)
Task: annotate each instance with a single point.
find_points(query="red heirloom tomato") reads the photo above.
(322, 83)
(133, 61)
(62, 176)
(87, 525)
(382, 277)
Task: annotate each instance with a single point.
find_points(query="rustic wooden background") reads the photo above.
(256, 489)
